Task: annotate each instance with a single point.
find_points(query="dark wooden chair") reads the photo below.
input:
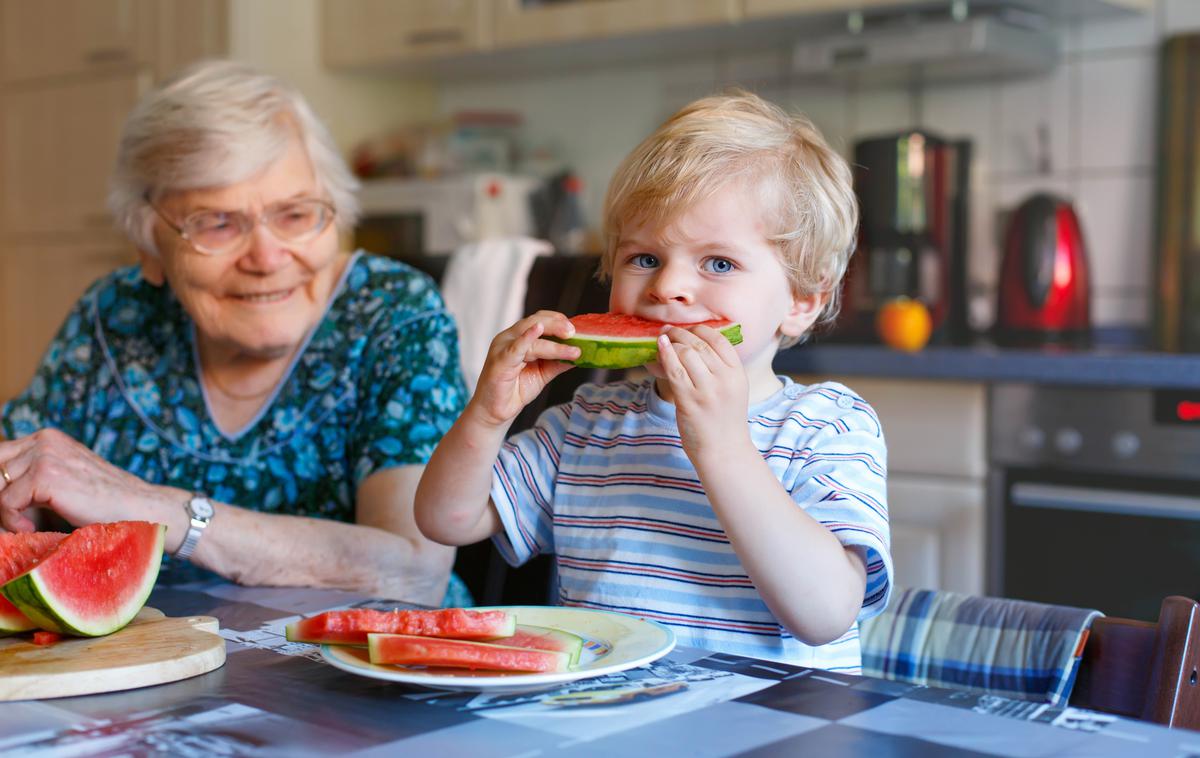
(1144, 670)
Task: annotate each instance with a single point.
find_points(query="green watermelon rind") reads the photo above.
(30, 595)
(14, 623)
(626, 352)
(567, 642)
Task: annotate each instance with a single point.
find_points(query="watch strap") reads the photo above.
(196, 527)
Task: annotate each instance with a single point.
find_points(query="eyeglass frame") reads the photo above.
(254, 222)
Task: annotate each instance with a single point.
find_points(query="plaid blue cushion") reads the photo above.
(1011, 648)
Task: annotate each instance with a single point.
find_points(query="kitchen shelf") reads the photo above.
(1094, 368)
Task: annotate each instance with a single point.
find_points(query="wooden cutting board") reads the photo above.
(153, 649)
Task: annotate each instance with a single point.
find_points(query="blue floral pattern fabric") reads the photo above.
(376, 386)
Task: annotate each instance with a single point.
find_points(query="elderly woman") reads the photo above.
(267, 395)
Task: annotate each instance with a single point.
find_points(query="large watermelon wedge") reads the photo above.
(18, 554)
(618, 340)
(410, 650)
(94, 582)
(351, 627)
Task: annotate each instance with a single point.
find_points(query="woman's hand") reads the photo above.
(49, 469)
(708, 386)
(520, 364)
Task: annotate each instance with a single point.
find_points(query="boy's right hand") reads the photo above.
(520, 364)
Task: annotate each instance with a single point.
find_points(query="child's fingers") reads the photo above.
(677, 375)
(519, 350)
(693, 343)
(719, 343)
(547, 350)
(555, 324)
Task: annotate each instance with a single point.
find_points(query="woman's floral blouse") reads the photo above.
(377, 385)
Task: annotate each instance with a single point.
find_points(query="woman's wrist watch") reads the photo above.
(200, 511)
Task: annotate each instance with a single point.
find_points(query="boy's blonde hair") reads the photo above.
(804, 188)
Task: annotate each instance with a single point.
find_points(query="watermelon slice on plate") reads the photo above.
(410, 650)
(18, 554)
(618, 340)
(94, 582)
(544, 638)
(350, 627)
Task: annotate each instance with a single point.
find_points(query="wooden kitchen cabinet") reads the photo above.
(39, 282)
(59, 145)
(367, 33)
(520, 23)
(58, 37)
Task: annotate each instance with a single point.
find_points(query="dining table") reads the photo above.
(274, 697)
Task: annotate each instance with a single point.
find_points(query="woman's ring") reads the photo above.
(4, 473)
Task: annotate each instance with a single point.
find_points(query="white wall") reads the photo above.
(1098, 106)
(281, 36)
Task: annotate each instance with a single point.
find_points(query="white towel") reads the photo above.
(484, 288)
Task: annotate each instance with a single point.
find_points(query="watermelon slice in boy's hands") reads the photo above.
(617, 340)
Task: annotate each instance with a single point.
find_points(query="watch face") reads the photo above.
(201, 508)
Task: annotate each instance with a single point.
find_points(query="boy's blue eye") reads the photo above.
(644, 260)
(719, 265)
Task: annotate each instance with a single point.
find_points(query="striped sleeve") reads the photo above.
(839, 476)
(523, 487)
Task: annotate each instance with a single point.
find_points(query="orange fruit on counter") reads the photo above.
(904, 324)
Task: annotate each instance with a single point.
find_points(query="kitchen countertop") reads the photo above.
(1097, 367)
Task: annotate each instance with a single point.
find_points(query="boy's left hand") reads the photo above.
(709, 386)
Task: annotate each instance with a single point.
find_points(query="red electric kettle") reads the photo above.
(1043, 295)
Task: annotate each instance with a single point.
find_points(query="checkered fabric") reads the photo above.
(1011, 648)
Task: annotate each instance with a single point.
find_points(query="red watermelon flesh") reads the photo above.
(409, 650)
(94, 582)
(351, 627)
(620, 340)
(544, 638)
(18, 554)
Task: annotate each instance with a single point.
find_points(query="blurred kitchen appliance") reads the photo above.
(1177, 273)
(912, 190)
(1092, 496)
(1043, 293)
(411, 219)
(931, 46)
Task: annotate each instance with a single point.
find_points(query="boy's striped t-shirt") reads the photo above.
(603, 483)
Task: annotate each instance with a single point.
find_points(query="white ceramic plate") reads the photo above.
(611, 642)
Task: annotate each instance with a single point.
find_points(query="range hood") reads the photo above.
(982, 47)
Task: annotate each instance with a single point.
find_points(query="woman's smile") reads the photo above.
(264, 298)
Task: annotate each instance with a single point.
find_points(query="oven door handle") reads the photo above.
(1030, 495)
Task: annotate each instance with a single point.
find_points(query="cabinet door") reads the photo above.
(55, 37)
(38, 285)
(520, 22)
(937, 532)
(360, 33)
(188, 31)
(59, 145)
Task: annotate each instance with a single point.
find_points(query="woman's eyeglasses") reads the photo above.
(221, 232)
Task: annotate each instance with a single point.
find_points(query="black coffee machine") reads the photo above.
(912, 190)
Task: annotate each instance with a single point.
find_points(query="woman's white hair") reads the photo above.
(214, 124)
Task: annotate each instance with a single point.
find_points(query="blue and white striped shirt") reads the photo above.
(604, 484)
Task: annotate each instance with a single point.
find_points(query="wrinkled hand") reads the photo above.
(49, 469)
(708, 385)
(520, 364)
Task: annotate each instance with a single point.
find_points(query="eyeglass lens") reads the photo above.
(221, 231)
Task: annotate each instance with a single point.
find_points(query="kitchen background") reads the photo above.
(1084, 126)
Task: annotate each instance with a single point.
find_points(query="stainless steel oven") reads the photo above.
(1094, 496)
